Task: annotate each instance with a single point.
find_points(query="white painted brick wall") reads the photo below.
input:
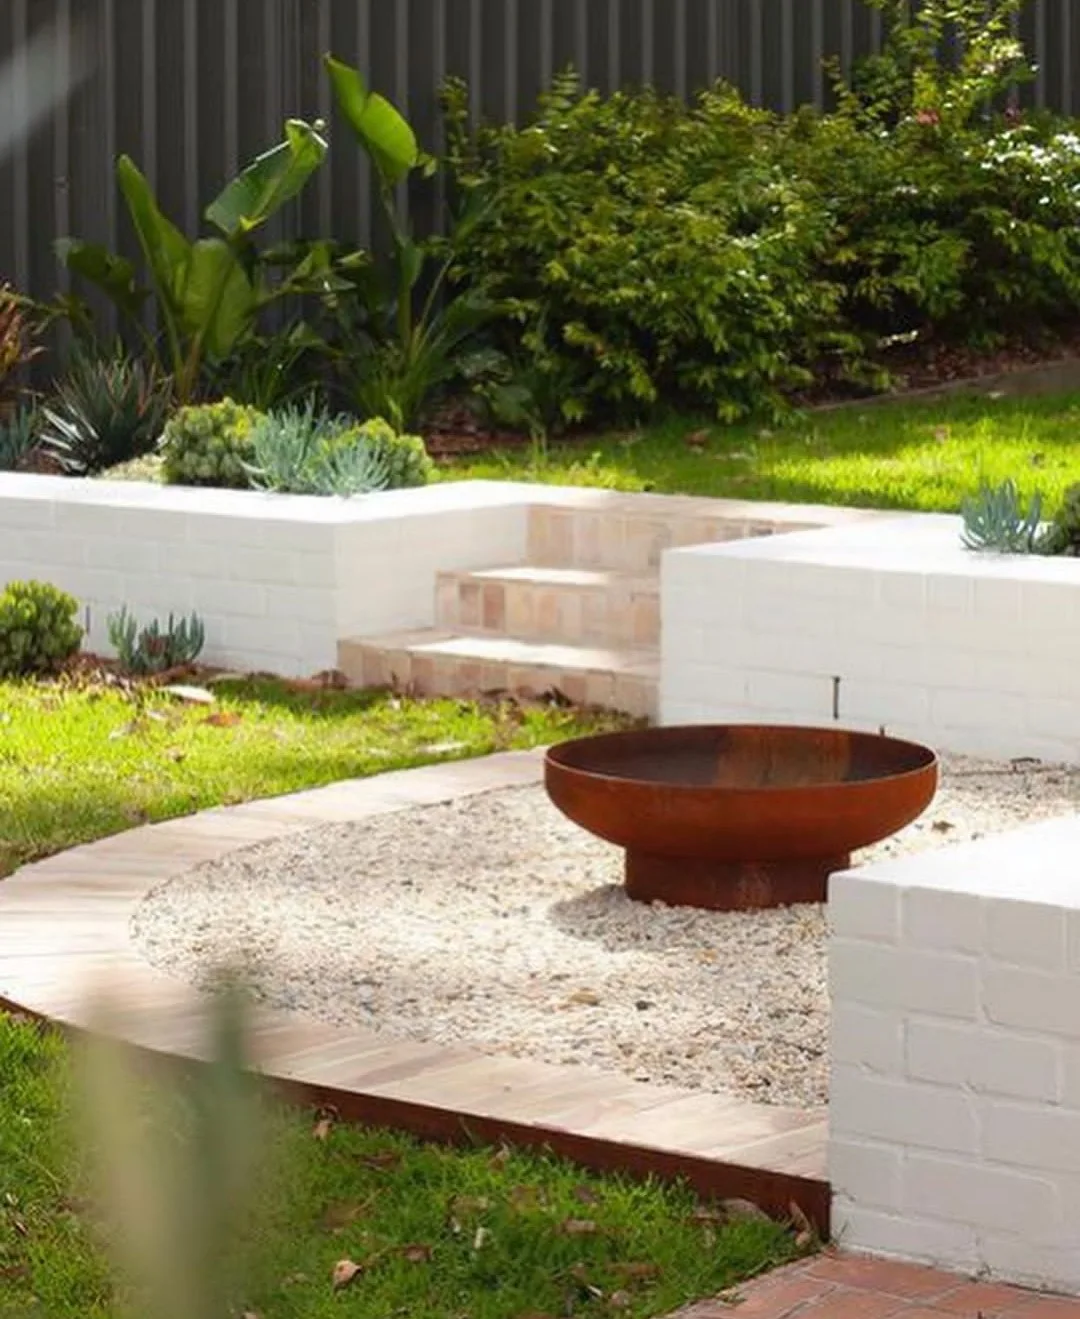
(278, 580)
(909, 631)
(955, 1096)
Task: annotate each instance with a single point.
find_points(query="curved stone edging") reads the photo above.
(65, 929)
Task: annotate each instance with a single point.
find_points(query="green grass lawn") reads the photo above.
(78, 762)
(927, 456)
(439, 1233)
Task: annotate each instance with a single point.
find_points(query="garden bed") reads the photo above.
(890, 624)
(530, 946)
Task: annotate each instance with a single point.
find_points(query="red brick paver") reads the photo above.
(838, 1286)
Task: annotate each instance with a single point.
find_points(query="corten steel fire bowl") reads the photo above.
(739, 816)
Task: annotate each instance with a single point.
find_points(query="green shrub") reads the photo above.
(965, 236)
(647, 249)
(38, 631)
(105, 410)
(209, 444)
(712, 255)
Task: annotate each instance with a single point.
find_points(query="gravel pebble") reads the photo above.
(496, 922)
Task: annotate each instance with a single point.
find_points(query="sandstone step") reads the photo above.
(576, 606)
(436, 662)
(630, 534)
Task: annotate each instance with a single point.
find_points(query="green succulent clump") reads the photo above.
(155, 648)
(38, 631)
(210, 444)
(404, 457)
(309, 451)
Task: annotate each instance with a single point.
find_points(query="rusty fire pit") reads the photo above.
(739, 816)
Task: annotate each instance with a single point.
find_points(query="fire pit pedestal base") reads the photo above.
(682, 881)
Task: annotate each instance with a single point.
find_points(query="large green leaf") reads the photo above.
(113, 275)
(382, 131)
(215, 298)
(269, 181)
(164, 246)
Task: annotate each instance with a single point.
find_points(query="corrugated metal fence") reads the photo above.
(193, 88)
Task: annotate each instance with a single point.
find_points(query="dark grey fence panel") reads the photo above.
(192, 88)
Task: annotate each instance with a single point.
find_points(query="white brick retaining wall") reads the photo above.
(278, 579)
(955, 1099)
(886, 622)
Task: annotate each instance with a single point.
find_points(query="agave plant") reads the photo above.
(153, 648)
(106, 410)
(18, 437)
(997, 520)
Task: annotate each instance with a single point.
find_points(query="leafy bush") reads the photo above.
(307, 451)
(153, 649)
(209, 444)
(648, 250)
(909, 77)
(403, 336)
(208, 292)
(964, 236)
(17, 347)
(18, 438)
(38, 631)
(105, 410)
(713, 255)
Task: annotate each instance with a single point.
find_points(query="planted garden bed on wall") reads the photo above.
(889, 623)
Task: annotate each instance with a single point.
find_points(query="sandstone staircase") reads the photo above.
(581, 617)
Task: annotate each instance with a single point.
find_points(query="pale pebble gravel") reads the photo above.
(494, 921)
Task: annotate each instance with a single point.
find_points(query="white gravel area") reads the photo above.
(494, 921)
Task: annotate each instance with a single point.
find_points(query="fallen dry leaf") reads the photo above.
(804, 1229)
(387, 1161)
(417, 1254)
(588, 998)
(523, 1197)
(585, 1195)
(637, 1272)
(942, 826)
(222, 719)
(500, 1159)
(578, 1227)
(191, 695)
(697, 439)
(345, 1270)
(323, 1127)
(470, 1204)
(620, 1300)
(336, 1216)
(744, 1210)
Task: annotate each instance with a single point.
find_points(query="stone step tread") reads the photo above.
(643, 662)
(577, 578)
